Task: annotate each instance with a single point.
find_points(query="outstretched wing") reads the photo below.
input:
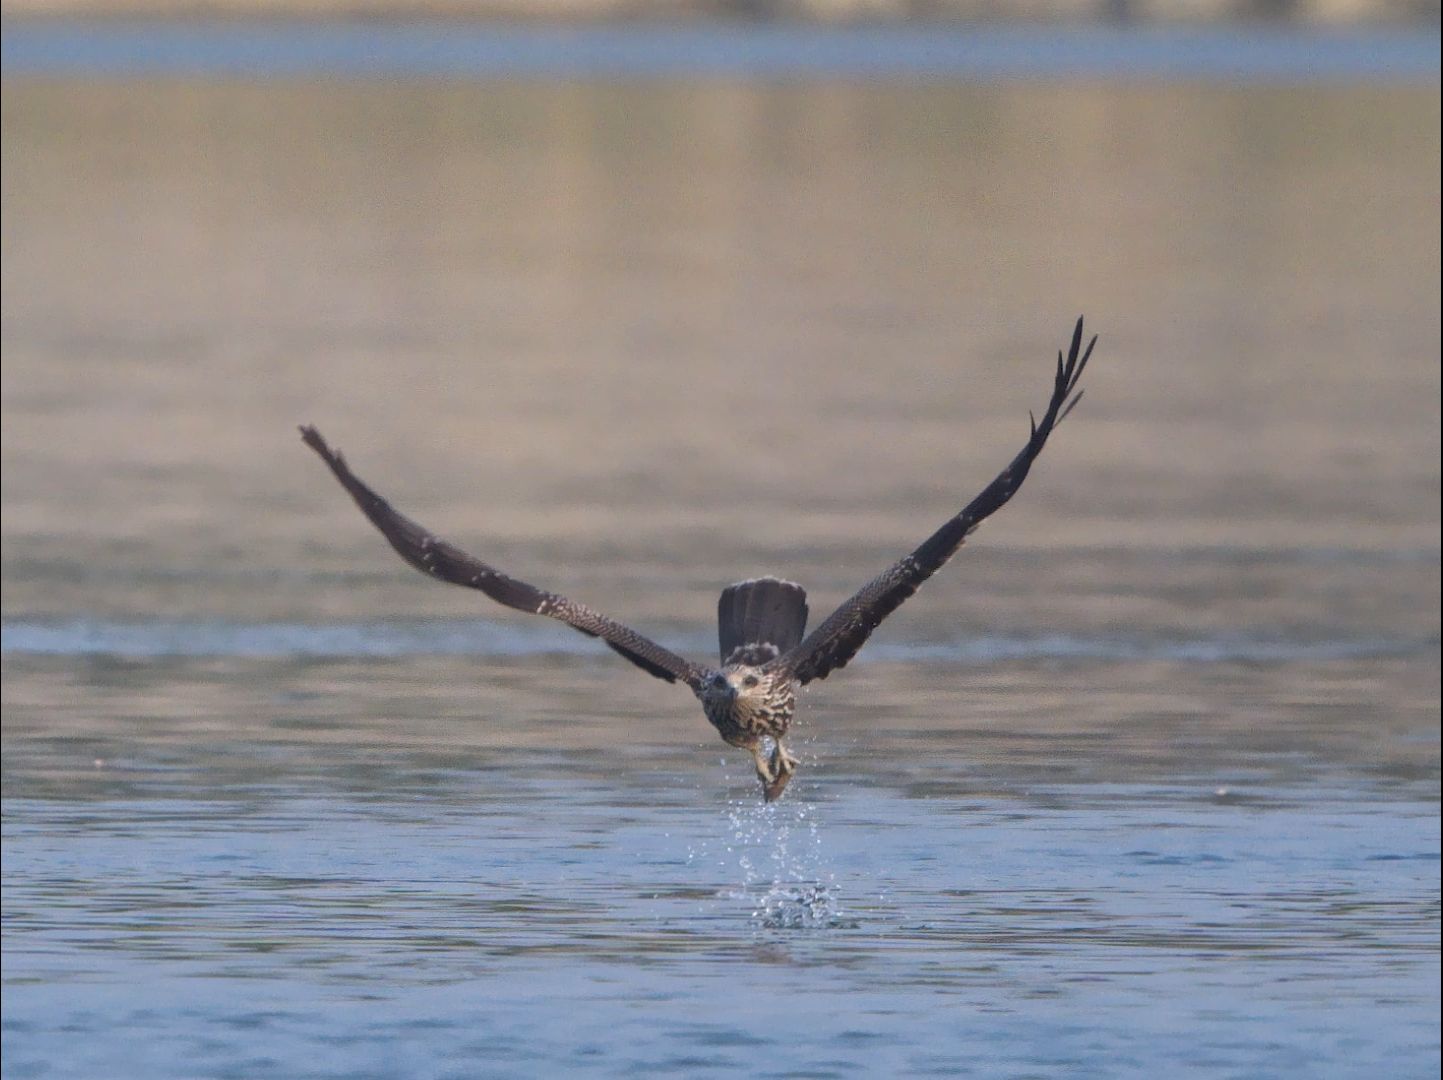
(832, 644)
(434, 556)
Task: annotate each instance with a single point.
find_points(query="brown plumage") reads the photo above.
(751, 696)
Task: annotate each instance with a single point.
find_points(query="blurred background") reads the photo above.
(1144, 782)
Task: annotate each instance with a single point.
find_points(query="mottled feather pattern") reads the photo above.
(763, 712)
(751, 655)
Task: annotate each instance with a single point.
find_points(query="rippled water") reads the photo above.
(1144, 783)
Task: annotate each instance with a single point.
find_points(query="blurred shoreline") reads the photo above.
(1164, 12)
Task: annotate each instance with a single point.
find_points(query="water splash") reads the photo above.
(801, 906)
(778, 850)
(774, 851)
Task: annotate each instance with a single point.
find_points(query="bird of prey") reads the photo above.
(765, 653)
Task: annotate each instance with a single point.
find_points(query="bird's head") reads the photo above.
(737, 684)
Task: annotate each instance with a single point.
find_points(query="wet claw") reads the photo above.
(771, 792)
(765, 772)
(780, 770)
(783, 760)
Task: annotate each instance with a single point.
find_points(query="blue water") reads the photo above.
(390, 851)
(1081, 932)
(483, 638)
(464, 50)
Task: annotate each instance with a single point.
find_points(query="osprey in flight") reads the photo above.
(765, 656)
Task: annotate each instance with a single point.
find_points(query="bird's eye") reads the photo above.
(749, 681)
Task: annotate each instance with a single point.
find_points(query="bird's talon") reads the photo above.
(778, 771)
(773, 790)
(765, 769)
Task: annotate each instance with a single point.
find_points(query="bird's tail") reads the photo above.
(760, 619)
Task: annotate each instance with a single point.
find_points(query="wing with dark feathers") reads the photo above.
(832, 644)
(434, 556)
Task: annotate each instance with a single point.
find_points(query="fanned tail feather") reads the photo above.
(759, 620)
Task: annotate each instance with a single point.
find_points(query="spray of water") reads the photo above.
(776, 851)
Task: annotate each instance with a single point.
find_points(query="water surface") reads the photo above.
(485, 49)
(1144, 783)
